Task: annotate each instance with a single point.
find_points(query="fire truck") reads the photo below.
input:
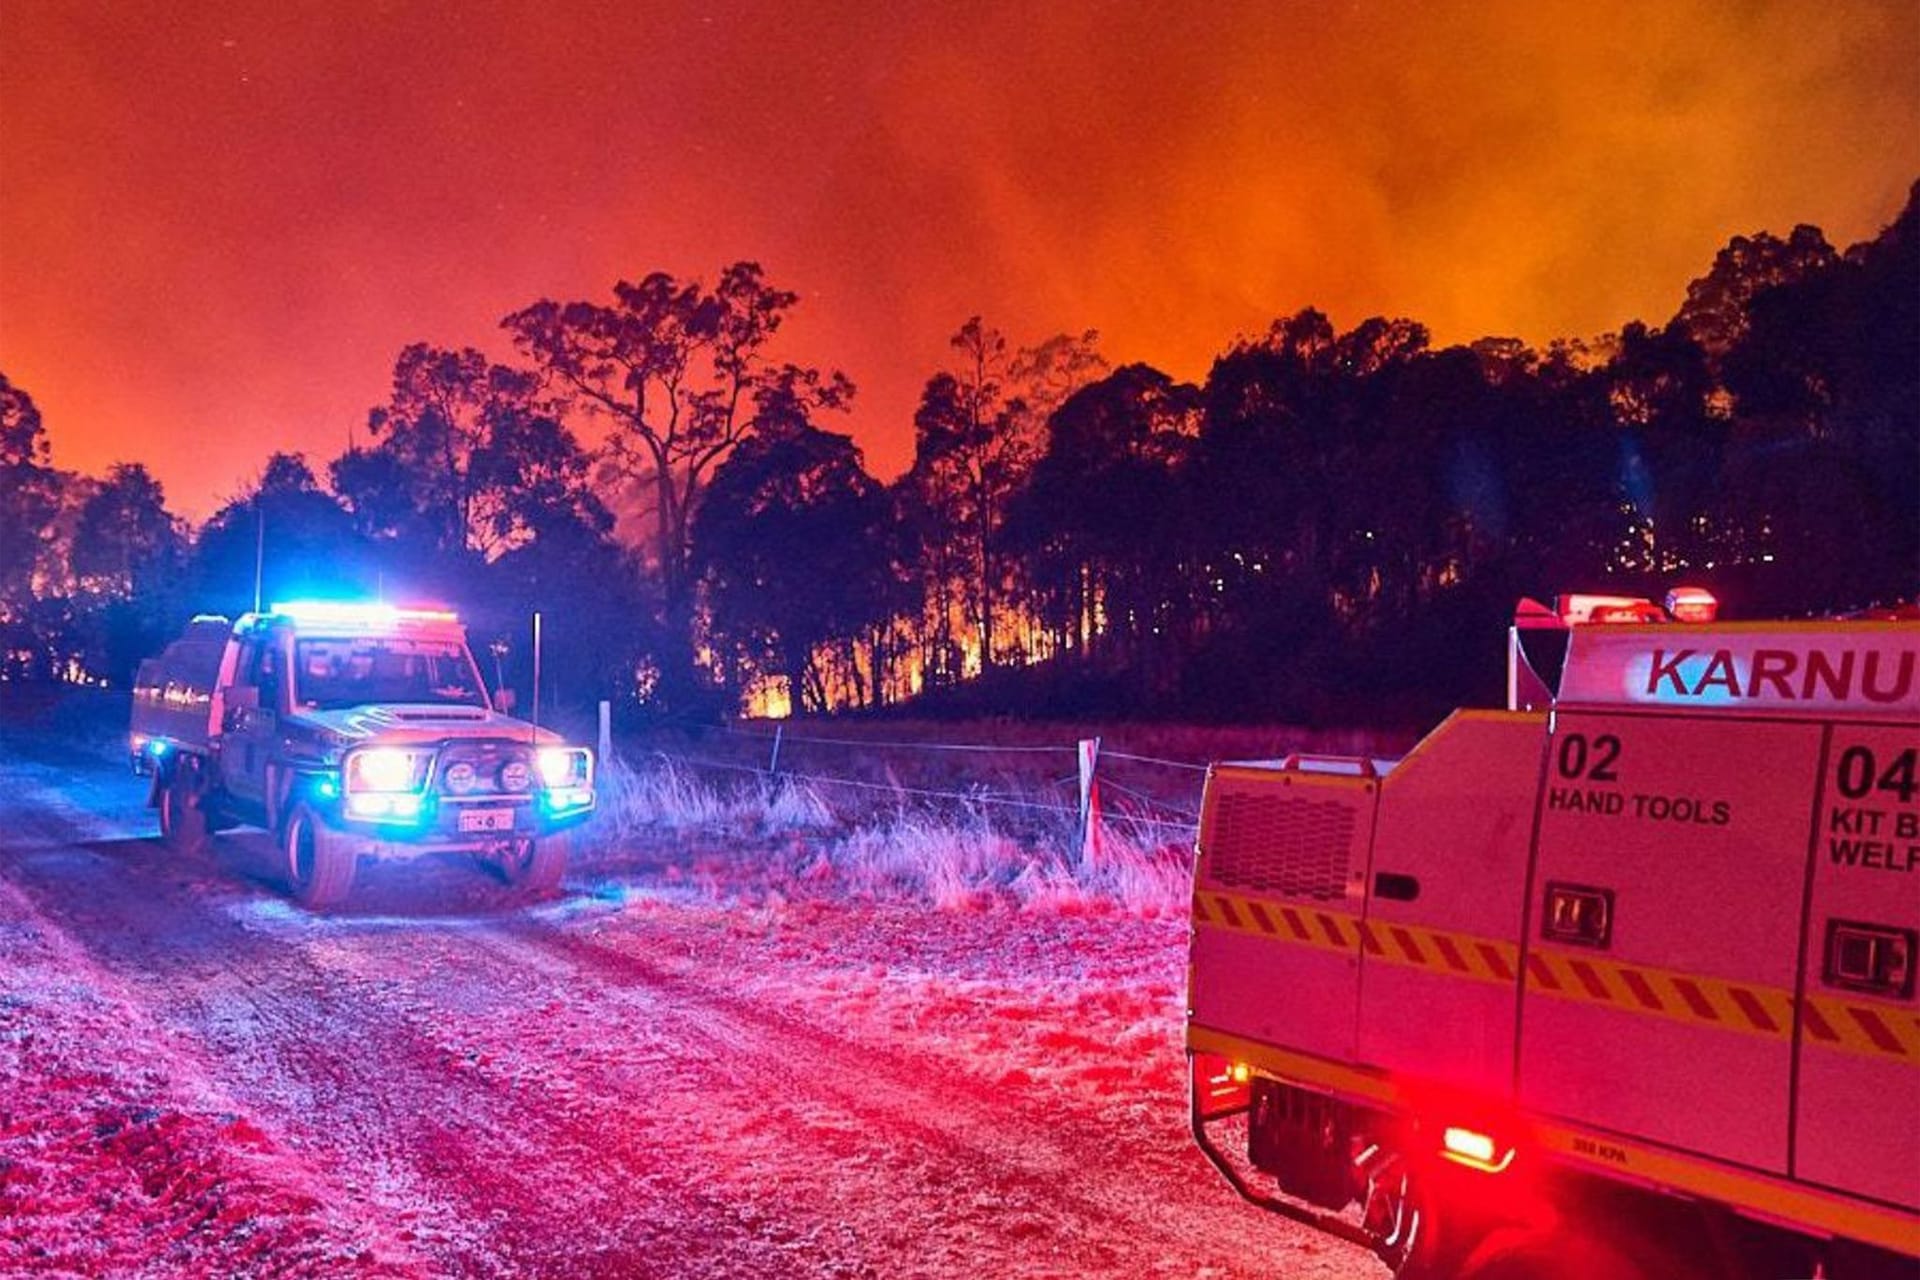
(351, 731)
(1616, 981)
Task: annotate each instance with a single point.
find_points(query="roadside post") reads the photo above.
(1089, 802)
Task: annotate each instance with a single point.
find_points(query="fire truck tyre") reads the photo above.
(320, 860)
(1520, 1254)
(183, 823)
(535, 866)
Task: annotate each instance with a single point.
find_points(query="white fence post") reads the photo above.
(1089, 802)
(773, 763)
(605, 742)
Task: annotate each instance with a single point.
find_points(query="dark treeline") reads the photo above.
(1334, 524)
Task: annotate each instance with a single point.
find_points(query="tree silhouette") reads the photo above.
(976, 434)
(1102, 528)
(1715, 313)
(128, 552)
(467, 453)
(673, 368)
(790, 545)
(306, 542)
(29, 502)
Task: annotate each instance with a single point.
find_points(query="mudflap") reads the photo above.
(1216, 1099)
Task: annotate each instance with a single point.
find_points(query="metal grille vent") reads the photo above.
(1288, 847)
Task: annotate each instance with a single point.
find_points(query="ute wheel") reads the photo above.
(320, 860)
(536, 866)
(184, 827)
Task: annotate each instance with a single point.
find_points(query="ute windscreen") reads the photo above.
(333, 673)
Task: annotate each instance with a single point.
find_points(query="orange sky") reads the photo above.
(219, 223)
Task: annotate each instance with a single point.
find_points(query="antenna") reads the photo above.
(259, 548)
(536, 675)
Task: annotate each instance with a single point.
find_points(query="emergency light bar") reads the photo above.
(345, 613)
(1683, 604)
(1575, 610)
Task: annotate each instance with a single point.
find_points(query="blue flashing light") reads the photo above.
(562, 801)
(326, 788)
(356, 613)
(156, 748)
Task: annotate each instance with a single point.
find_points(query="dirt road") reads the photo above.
(642, 1078)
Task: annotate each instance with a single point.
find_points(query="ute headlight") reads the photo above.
(387, 769)
(565, 766)
(515, 776)
(460, 777)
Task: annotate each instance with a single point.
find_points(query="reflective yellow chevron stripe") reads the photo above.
(1878, 1028)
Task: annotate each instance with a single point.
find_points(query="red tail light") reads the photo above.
(1475, 1150)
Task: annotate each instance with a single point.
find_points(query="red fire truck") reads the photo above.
(1617, 981)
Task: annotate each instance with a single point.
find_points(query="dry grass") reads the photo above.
(793, 837)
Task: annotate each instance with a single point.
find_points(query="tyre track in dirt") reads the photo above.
(160, 1116)
(85, 1094)
(1055, 1173)
(317, 1066)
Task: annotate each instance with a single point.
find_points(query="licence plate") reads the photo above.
(486, 819)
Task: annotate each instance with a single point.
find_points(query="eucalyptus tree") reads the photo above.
(673, 368)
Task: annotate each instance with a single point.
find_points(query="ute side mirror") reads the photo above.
(235, 701)
(503, 700)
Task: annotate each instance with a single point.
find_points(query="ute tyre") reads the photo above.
(184, 826)
(320, 861)
(536, 867)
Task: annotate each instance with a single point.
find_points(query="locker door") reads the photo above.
(1857, 1115)
(1277, 898)
(1662, 948)
(1450, 850)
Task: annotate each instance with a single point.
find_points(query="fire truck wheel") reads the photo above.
(320, 860)
(183, 823)
(1567, 1254)
(535, 866)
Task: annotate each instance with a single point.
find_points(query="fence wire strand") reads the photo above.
(976, 747)
(1183, 822)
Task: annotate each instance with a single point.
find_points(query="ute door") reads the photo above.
(1663, 940)
(1448, 883)
(1278, 890)
(1857, 1114)
(253, 717)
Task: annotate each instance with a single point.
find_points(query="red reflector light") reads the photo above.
(1474, 1149)
(1220, 1086)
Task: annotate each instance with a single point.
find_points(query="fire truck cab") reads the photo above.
(1618, 980)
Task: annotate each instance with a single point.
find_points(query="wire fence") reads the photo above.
(1150, 790)
(1136, 807)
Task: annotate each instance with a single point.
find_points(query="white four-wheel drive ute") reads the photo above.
(351, 731)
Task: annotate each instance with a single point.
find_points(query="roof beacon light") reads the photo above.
(1692, 604)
